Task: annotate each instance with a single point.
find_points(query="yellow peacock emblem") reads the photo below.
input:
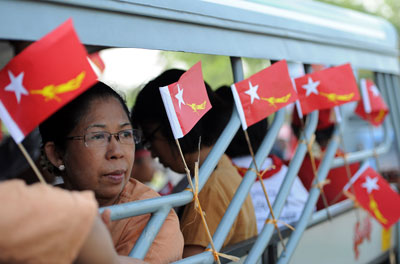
(51, 91)
(275, 100)
(337, 97)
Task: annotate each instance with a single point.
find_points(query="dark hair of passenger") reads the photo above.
(149, 109)
(58, 126)
(238, 146)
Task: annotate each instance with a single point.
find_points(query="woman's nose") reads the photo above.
(114, 149)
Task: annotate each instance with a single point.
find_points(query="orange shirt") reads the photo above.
(43, 224)
(168, 244)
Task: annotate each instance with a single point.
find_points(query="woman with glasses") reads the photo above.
(149, 113)
(90, 142)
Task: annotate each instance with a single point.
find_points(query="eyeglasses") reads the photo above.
(148, 139)
(102, 138)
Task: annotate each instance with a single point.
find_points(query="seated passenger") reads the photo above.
(338, 177)
(43, 224)
(149, 113)
(90, 142)
(274, 176)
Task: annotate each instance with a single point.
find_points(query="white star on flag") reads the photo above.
(252, 92)
(370, 184)
(179, 96)
(311, 86)
(16, 85)
(374, 90)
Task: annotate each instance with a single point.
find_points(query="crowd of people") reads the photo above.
(90, 146)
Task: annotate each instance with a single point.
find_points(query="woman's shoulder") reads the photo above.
(135, 190)
(224, 177)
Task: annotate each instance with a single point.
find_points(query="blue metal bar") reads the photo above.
(312, 199)
(140, 207)
(242, 191)
(358, 156)
(248, 180)
(266, 234)
(151, 230)
(388, 85)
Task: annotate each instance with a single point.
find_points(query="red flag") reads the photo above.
(186, 101)
(372, 107)
(263, 93)
(98, 61)
(327, 88)
(376, 196)
(42, 78)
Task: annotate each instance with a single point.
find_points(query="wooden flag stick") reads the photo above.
(31, 163)
(348, 171)
(274, 220)
(196, 199)
(314, 170)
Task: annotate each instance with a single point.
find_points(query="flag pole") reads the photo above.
(274, 220)
(348, 173)
(194, 190)
(31, 163)
(318, 184)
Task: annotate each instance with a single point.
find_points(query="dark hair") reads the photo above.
(58, 126)
(149, 109)
(257, 132)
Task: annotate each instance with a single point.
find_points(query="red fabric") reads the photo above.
(374, 194)
(98, 61)
(337, 86)
(379, 109)
(275, 90)
(54, 71)
(277, 162)
(196, 102)
(337, 176)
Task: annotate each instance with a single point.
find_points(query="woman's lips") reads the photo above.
(115, 177)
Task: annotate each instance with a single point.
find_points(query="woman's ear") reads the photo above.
(53, 155)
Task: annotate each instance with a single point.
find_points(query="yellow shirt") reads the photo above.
(214, 198)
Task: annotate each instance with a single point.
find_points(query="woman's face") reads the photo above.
(103, 169)
(161, 148)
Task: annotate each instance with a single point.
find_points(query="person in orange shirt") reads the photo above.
(90, 142)
(44, 224)
(338, 176)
